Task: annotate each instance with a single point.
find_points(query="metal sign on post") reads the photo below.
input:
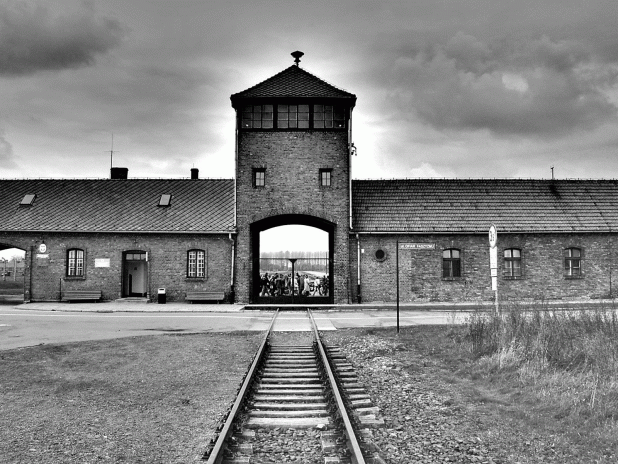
(493, 261)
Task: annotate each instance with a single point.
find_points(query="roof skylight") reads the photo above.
(165, 200)
(28, 199)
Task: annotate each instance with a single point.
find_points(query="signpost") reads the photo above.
(408, 246)
(493, 261)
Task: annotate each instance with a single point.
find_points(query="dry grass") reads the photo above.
(569, 358)
(144, 399)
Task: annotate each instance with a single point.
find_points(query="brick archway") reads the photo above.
(283, 220)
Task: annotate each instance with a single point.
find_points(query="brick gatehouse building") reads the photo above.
(129, 237)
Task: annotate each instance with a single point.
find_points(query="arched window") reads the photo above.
(572, 262)
(451, 263)
(75, 262)
(512, 263)
(196, 260)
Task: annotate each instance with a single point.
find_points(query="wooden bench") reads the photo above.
(81, 295)
(205, 296)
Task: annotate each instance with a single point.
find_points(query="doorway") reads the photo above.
(135, 274)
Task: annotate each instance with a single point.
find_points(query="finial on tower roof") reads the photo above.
(297, 55)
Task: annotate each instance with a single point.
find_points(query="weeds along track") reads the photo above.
(299, 402)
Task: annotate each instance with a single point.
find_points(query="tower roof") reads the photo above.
(293, 82)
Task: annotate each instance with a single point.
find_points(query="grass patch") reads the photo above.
(141, 399)
(570, 359)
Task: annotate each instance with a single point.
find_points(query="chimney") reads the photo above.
(195, 173)
(119, 173)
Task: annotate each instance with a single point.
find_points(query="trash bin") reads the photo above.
(161, 296)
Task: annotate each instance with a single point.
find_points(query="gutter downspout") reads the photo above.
(232, 295)
(358, 269)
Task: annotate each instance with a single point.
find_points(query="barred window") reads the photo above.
(512, 263)
(572, 262)
(451, 263)
(196, 263)
(75, 262)
(257, 117)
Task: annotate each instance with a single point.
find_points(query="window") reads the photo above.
(165, 200)
(259, 177)
(75, 262)
(512, 263)
(572, 262)
(195, 263)
(451, 263)
(328, 117)
(136, 256)
(257, 117)
(325, 177)
(28, 199)
(286, 116)
(293, 116)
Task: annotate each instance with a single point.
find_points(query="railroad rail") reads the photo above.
(292, 397)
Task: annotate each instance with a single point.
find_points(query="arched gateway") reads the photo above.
(280, 279)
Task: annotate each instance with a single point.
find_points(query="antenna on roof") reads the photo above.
(552, 173)
(297, 55)
(111, 153)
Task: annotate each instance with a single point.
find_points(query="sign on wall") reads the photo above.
(417, 246)
(101, 262)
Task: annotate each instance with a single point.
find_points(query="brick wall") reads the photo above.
(543, 277)
(167, 263)
(292, 160)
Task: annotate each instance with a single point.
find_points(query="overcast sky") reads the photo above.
(446, 88)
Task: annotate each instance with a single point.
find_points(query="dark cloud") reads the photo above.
(525, 86)
(32, 39)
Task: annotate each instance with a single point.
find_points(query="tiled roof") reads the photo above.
(130, 205)
(293, 82)
(471, 206)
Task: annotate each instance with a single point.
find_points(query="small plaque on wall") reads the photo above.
(101, 262)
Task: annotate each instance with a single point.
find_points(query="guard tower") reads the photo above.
(293, 136)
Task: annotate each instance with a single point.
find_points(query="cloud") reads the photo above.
(32, 39)
(525, 86)
(6, 153)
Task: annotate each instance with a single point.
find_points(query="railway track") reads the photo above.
(298, 402)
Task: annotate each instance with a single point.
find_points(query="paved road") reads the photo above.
(20, 327)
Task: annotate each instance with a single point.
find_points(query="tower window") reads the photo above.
(287, 116)
(259, 177)
(325, 177)
(257, 117)
(293, 116)
(328, 117)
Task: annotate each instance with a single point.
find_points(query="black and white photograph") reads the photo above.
(269, 232)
